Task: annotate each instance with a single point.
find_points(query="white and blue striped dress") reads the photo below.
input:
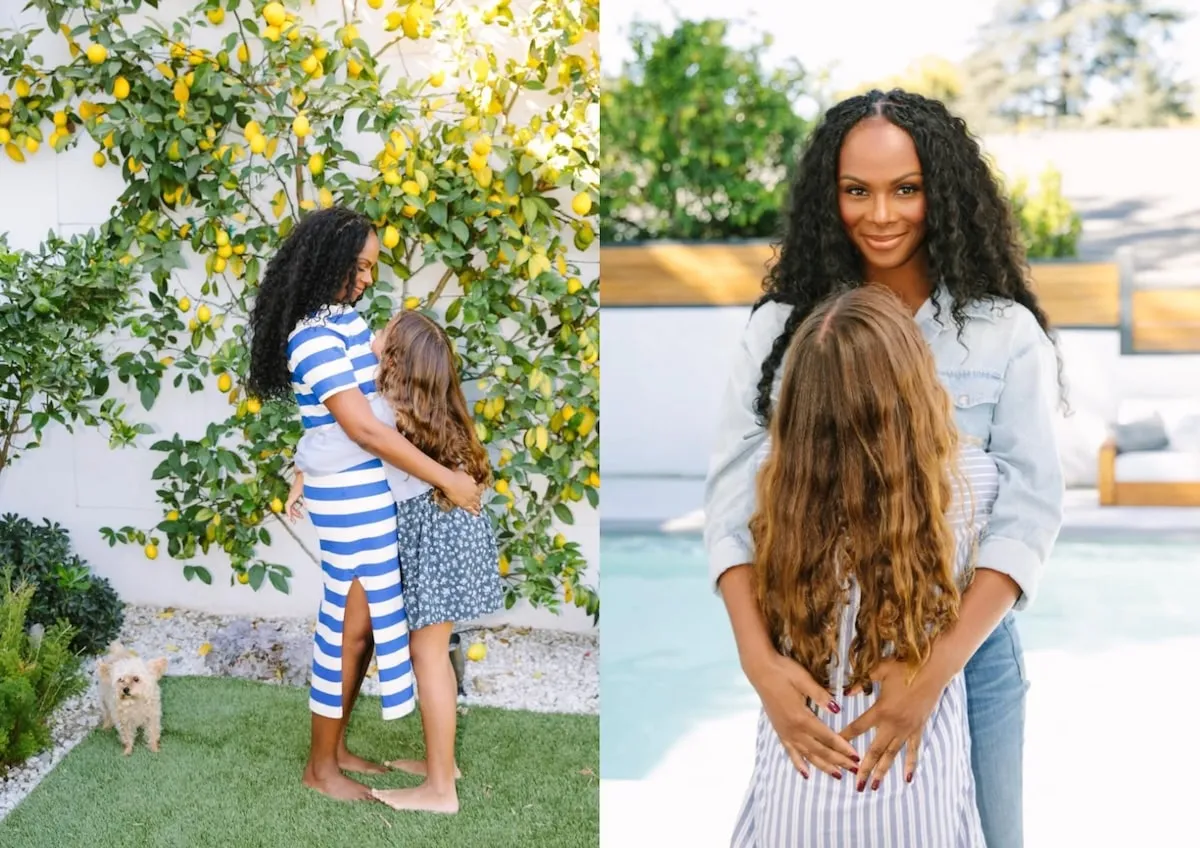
(354, 515)
(937, 810)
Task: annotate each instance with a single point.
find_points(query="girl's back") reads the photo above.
(936, 810)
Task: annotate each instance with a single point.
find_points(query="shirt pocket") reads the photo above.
(974, 395)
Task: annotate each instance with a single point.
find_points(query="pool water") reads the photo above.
(668, 662)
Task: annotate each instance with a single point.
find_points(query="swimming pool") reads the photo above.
(668, 661)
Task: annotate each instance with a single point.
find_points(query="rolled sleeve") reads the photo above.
(1028, 511)
(729, 492)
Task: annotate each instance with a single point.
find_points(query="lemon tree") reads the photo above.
(231, 119)
(55, 304)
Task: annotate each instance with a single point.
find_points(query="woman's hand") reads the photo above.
(898, 716)
(464, 492)
(783, 685)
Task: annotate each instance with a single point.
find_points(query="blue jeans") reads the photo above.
(996, 686)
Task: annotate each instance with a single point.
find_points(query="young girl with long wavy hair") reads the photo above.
(449, 561)
(869, 510)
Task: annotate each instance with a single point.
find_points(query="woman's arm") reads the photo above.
(782, 684)
(1023, 525)
(353, 413)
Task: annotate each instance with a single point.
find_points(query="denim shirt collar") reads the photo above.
(931, 324)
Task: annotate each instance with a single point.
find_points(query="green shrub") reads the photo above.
(38, 671)
(65, 587)
(1050, 226)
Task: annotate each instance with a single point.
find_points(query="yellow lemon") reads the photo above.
(276, 505)
(60, 118)
(477, 652)
(482, 146)
(22, 88)
(310, 64)
(14, 152)
(32, 144)
(391, 237)
(300, 126)
(224, 382)
(274, 14)
(375, 4)
(480, 67)
(193, 325)
(258, 144)
(574, 285)
(316, 164)
(97, 53)
(437, 79)
(271, 33)
(560, 541)
(593, 480)
(222, 238)
(325, 198)
(120, 88)
(393, 21)
(243, 53)
(504, 566)
(216, 16)
(173, 515)
(411, 187)
(184, 304)
(582, 203)
(243, 578)
(98, 159)
(151, 551)
(203, 314)
(412, 302)
(502, 487)
(349, 34)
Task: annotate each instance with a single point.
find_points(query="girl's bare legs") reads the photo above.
(323, 772)
(438, 700)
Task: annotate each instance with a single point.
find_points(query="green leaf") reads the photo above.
(564, 513)
(279, 582)
(257, 573)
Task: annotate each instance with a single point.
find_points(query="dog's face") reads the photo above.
(131, 677)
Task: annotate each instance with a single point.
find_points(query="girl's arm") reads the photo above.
(352, 411)
(291, 507)
(317, 359)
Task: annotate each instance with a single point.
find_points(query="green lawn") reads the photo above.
(228, 776)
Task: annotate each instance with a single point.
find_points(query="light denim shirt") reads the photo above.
(1002, 379)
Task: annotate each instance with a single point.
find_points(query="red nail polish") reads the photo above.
(834, 708)
(874, 785)
(837, 775)
(856, 758)
(861, 786)
(908, 777)
(853, 769)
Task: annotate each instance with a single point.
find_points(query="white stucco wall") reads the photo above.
(78, 482)
(665, 379)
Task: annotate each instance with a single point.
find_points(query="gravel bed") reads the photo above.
(539, 670)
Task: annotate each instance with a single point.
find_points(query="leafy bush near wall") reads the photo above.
(230, 119)
(65, 589)
(1050, 226)
(38, 671)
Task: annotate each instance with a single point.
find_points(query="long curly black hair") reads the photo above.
(972, 241)
(315, 264)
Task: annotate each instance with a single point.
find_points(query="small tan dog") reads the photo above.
(129, 695)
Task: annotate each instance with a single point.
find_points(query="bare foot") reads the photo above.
(336, 786)
(352, 762)
(423, 798)
(416, 767)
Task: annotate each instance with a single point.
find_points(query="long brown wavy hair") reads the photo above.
(856, 486)
(419, 378)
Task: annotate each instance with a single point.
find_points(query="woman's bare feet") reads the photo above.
(423, 798)
(416, 767)
(336, 785)
(352, 762)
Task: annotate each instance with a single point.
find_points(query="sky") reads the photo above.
(867, 39)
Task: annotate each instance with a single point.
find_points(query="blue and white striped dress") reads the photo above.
(354, 515)
(937, 810)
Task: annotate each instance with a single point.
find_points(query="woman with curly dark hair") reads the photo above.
(893, 189)
(307, 341)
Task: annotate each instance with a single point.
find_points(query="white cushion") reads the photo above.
(1158, 467)
(1184, 433)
